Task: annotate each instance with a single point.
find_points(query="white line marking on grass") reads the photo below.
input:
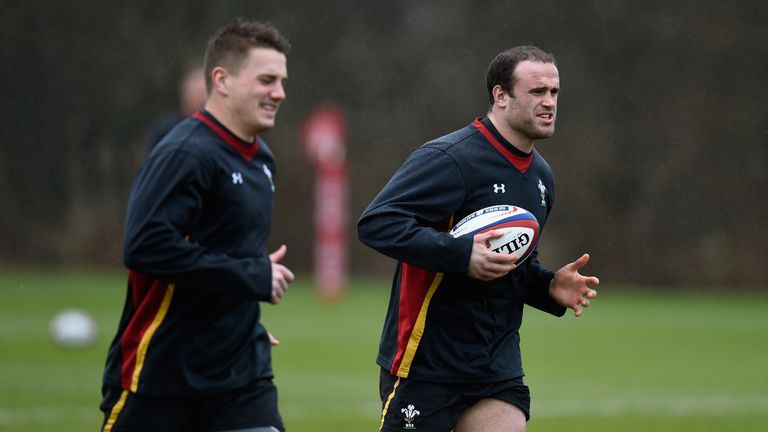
(48, 415)
(651, 407)
(657, 407)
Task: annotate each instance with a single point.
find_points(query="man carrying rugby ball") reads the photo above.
(450, 348)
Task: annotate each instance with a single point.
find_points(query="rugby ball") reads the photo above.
(520, 228)
(73, 328)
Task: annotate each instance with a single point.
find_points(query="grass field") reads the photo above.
(637, 360)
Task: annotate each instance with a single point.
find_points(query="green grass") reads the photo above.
(636, 361)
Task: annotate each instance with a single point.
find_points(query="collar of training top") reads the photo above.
(520, 160)
(247, 150)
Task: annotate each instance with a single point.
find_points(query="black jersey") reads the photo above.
(442, 325)
(197, 222)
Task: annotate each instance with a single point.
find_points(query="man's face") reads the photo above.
(532, 109)
(257, 89)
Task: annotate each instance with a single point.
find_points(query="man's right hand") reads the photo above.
(485, 264)
(281, 276)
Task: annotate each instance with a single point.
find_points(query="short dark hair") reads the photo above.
(231, 45)
(502, 67)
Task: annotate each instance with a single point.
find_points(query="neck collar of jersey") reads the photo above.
(519, 159)
(247, 150)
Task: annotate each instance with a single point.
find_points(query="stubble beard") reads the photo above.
(530, 129)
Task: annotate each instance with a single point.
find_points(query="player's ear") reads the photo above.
(499, 96)
(219, 80)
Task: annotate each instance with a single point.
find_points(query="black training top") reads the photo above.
(197, 222)
(442, 325)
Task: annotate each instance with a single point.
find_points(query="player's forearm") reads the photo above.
(403, 239)
(538, 279)
(190, 266)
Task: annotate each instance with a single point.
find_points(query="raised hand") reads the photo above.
(281, 276)
(570, 289)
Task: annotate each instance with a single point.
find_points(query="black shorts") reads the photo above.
(249, 409)
(435, 407)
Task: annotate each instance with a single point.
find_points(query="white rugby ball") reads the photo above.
(73, 328)
(519, 226)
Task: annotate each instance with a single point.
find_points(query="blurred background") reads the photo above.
(659, 157)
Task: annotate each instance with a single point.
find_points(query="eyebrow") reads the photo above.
(272, 76)
(544, 88)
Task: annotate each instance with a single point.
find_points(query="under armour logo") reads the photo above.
(498, 188)
(237, 178)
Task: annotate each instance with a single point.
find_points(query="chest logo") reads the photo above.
(498, 188)
(237, 178)
(543, 193)
(268, 173)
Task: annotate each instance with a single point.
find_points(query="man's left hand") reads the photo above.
(571, 289)
(281, 275)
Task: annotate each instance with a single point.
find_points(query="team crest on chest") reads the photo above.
(543, 193)
(268, 173)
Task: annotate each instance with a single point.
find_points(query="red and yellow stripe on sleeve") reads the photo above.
(417, 287)
(412, 314)
(151, 298)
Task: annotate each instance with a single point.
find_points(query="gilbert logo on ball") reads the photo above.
(519, 227)
(73, 328)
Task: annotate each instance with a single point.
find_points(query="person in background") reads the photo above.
(190, 352)
(192, 95)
